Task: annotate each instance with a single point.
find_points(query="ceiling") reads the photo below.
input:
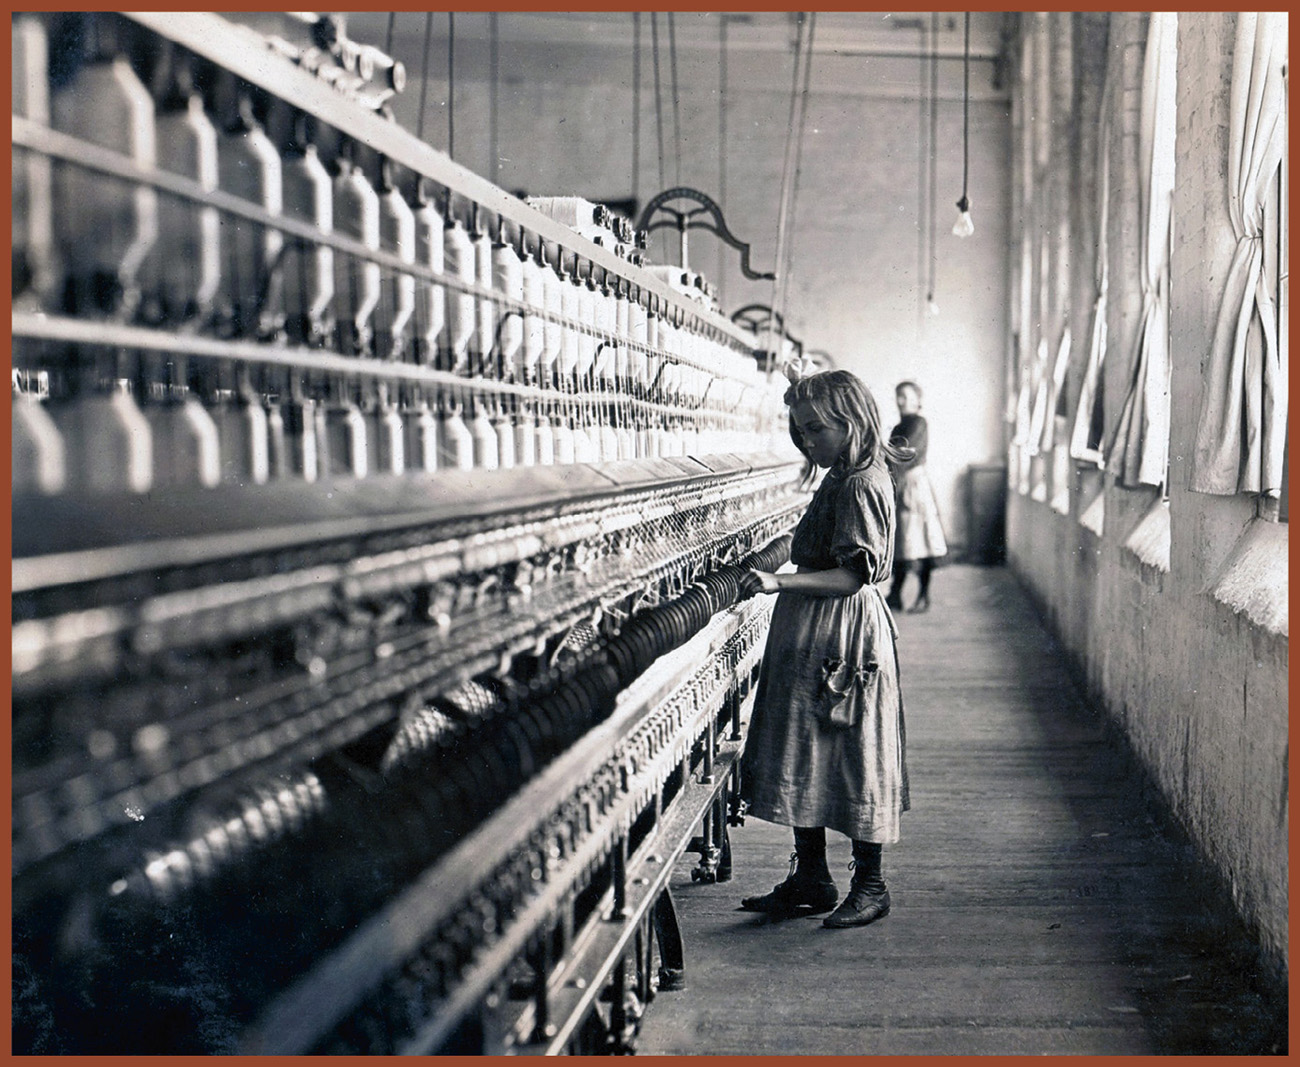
(843, 32)
(855, 53)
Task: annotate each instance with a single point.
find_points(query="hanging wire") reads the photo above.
(785, 182)
(659, 100)
(451, 84)
(388, 37)
(494, 65)
(798, 163)
(934, 153)
(792, 145)
(424, 75)
(636, 109)
(923, 193)
(677, 116)
(722, 139)
(964, 203)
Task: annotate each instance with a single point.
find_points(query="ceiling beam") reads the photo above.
(868, 36)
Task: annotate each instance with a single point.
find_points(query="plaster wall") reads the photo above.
(860, 265)
(1198, 689)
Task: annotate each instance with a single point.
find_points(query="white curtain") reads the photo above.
(1020, 441)
(1139, 454)
(1086, 433)
(1055, 391)
(1240, 438)
(1056, 434)
(1024, 365)
(1038, 412)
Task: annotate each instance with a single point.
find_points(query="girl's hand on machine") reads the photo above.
(755, 582)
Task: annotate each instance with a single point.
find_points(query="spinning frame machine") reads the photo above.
(332, 750)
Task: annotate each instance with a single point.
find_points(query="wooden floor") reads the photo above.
(1037, 908)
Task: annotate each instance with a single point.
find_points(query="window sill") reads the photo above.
(1062, 475)
(1093, 517)
(1150, 540)
(1253, 580)
(1018, 468)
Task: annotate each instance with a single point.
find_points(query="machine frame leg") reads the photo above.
(668, 935)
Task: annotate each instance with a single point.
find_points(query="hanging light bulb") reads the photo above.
(964, 226)
(931, 306)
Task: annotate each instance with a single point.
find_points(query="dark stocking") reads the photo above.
(810, 848)
(895, 598)
(867, 858)
(924, 569)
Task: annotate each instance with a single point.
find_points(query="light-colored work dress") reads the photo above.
(920, 529)
(826, 742)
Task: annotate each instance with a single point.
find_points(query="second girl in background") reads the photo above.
(919, 540)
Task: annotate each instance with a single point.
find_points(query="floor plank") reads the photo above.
(1037, 907)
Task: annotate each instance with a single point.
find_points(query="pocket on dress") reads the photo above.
(845, 691)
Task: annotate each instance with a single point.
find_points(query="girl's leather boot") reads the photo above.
(867, 899)
(808, 887)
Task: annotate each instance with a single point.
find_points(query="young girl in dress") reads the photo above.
(920, 541)
(826, 739)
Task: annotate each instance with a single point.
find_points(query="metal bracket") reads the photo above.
(687, 220)
(758, 317)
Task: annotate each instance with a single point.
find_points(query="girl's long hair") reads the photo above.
(842, 397)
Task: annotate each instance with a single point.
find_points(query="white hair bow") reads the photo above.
(799, 367)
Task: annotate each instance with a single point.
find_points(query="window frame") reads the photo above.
(1276, 508)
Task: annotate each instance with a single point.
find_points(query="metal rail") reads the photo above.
(246, 54)
(40, 327)
(208, 526)
(35, 137)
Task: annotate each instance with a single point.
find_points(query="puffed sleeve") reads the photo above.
(912, 432)
(919, 439)
(863, 538)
